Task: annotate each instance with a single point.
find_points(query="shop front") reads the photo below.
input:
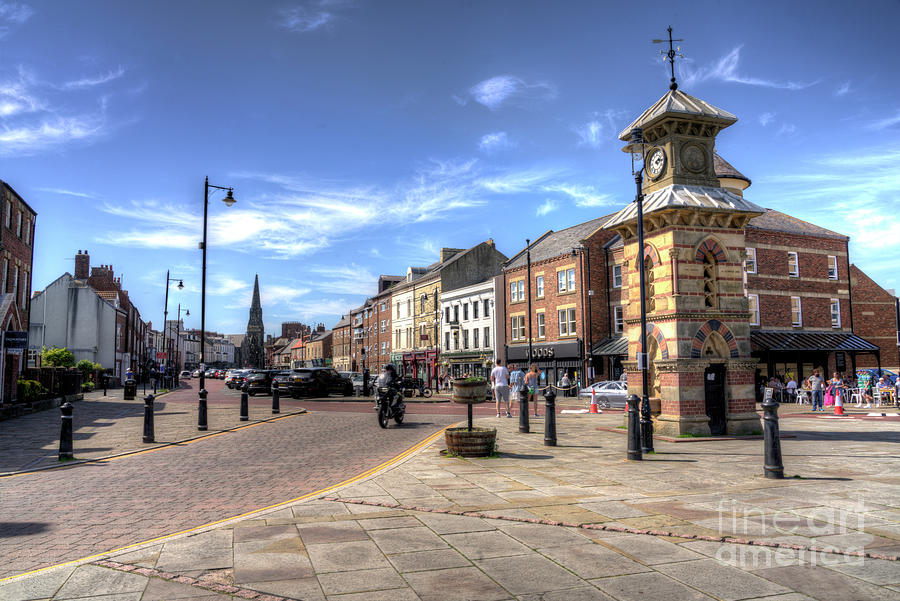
(463, 365)
(422, 365)
(608, 356)
(554, 359)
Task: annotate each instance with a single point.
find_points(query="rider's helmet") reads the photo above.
(390, 367)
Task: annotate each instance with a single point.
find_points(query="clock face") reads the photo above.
(656, 163)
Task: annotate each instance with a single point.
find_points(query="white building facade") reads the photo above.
(469, 329)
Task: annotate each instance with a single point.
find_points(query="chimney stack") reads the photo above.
(82, 265)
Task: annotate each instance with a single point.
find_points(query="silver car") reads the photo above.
(608, 394)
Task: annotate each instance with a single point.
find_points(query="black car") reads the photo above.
(259, 380)
(284, 379)
(319, 382)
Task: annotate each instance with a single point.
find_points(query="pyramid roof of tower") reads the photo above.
(677, 103)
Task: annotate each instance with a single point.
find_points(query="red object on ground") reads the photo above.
(594, 401)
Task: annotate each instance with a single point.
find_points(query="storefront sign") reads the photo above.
(542, 353)
(840, 361)
(546, 352)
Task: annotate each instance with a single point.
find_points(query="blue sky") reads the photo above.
(360, 137)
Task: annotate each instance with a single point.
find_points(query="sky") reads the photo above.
(362, 136)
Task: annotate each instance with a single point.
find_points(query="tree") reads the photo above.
(87, 367)
(57, 357)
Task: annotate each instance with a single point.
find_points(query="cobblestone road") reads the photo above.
(60, 515)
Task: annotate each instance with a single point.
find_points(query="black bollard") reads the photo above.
(245, 409)
(366, 382)
(201, 410)
(774, 468)
(149, 434)
(66, 450)
(634, 432)
(646, 427)
(469, 411)
(524, 427)
(104, 377)
(549, 418)
(276, 398)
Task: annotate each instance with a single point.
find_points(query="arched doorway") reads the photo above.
(715, 347)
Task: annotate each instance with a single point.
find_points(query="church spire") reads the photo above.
(255, 304)
(252, 350)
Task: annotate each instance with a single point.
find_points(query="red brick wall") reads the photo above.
(17, 251)
(875, 319)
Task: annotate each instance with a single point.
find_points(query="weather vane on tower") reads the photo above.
(670, 55)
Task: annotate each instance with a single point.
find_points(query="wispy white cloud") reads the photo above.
(545, 207)
(726, 69)
(12, 15)
(843, 89)
(49, 133)
(766, 118)
(584, 196)
(523, 180)
(90, 82)
(787, 129)
(501, 89)
(311, 15)
(65, 192)
(886, 122)
(495, 141)
(601, 127)
(343, 279)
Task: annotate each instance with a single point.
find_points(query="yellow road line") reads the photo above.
(392, 461)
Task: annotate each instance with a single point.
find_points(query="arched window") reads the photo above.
(710, 285)
(649, 285)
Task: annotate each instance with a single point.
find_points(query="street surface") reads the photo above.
(60, 515)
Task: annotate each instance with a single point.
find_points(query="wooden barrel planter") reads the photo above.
(477, 442)
(469, 392)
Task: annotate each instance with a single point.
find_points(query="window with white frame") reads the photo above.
(541, 325)
(456, 340)
(447, 341)
(565, 279)
(475, 310)
(561, 281)
(753, 308)
(517, 327)
(487, 338)
(475, 340)
(447, 313)
(422, 304)
(456, 313)
(619, 319)
(796, 311)
(383, 325)
(384, 348)
(539, 286)
(832, 268)
(570, 277)
(521, 284)
(465, 311)
(382, 306)
(793, 265)
(750, 260)
(617, 276)
(513, 292)
(487, 308)
(835, 313)
(566, 322)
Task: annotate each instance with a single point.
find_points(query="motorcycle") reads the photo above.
(389, 404)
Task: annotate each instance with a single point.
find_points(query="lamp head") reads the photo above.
(636, 145)
(187, 313)
(180, 284)
(229, 198)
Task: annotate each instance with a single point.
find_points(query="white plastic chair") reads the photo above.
(857, 395)
(876, 393)
(802, 396)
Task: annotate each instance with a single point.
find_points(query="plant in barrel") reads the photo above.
(470, 441)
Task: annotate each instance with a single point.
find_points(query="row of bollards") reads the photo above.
(549, 416)
(66, 445)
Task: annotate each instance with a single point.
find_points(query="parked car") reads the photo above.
(319, 382)
(231, 376)
(196, 373)
(357, 381)
(259, 380)
(284, 379)
(608, 394)
(185, 375)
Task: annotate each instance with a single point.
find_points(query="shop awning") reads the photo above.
(611, 346)
(810, 341)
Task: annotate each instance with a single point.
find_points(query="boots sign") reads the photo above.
(542, 353)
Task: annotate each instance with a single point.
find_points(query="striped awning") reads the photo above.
(810, 341)
(611, 346)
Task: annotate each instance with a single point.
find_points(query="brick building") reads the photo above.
(340, 344)
(370, 326)
(318, 349)
(876, 318)
(17, 252)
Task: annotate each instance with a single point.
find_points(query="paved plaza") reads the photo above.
(649, 530)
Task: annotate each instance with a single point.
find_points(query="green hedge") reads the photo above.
(30, 390)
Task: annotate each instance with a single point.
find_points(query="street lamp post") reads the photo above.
(166, 315)
(187, 313)
(638, 148)
(228, 200)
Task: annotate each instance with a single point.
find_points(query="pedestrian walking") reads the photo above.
(500, 382)
(815, 386)
(531, 384)
(516, 383)
(565, 383)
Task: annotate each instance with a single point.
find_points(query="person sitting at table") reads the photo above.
(869, 391)
(791, 388)
(882, 390)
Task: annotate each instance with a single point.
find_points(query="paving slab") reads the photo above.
(721, 581)
(529, 574)
(456, 584)
(360, 581)
(94, 580)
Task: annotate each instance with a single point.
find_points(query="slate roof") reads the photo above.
(320, 335)
(345, 321)
(682, 196)
(777, 221)
(553, 244)
(725, 169)
(676, 102)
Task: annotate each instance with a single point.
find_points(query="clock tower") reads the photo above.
(701, 374)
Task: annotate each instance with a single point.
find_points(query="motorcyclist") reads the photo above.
(388, 379)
